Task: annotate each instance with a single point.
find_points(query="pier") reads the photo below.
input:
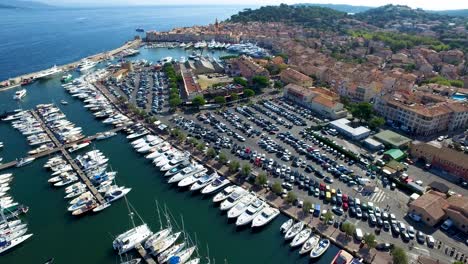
(144, 254)
(16, 81)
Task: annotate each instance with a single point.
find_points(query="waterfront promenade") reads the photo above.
(16, 81)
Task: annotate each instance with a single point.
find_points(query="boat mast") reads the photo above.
(159, 215)
(130, 213)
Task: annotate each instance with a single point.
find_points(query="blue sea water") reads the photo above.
(36, 39)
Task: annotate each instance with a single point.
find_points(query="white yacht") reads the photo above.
(221, 196)
(240, 206)
(49, 73)
(164, 257)
(294, 230)
(309, 244)
(116, 194)
(265, 216)
(128, 240)
(215, 185)
(164, 244)
(86, 65)
(300, 238)
(253, 210)
(158, 236)
(320, 248)
(173, 163)
(183, 256)
(19, 94)
(187, 172)
(286, 225)
(191, 180)
(7, 244)
(233, 199)
(204, 181)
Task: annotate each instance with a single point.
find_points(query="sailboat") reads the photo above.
(10, 239)
(132, 237)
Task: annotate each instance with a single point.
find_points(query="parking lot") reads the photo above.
(142, 87)
(271, 136)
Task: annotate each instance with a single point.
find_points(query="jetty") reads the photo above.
(16, 81)
(144, 254)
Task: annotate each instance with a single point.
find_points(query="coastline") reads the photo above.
(16, 81)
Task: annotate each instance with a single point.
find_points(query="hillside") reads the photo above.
(351, 9)
(460, 12)
(309, 16)
(383, 15)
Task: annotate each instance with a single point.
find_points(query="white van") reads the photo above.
(358, 234)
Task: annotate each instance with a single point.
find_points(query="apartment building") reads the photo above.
(319, 100)
(422, 113)
(295, 77)
(248, 68)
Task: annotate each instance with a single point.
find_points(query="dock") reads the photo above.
(144, 254)
(16, 81)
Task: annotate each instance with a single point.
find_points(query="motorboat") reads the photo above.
(187, 172)
(76, 147)
(233, 199)
(91, 205)
(266, 215)
(24, 161)
(108, 134)
(128, 240)
(215, 185)
(177, 168)
(49, 73)
(101, 207)
(300, 238)
(116, 194)
(191, 179)
(204, 181)
(224, 194)
(161, 234)
(173, 163)
(6, 175)
(240, 206)
(253, 210)
(66, 181)
(320, 248)
(20, 94)
(294, 230)
(343, 257)
(286, 225)
(309, 244)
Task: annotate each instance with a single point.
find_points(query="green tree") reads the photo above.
(234, 97)
(348, 228)
(362, 111)
(306, 207)
(246, 170)
(249, 93)
(376, 122)
(327, 216)
(261, 179)
(200, 146)
(399, 256)
(174, 102)
(240, 81)
(260, 82)
(291, 197)
(223, 158)
(279, 84)
(276, 188)
(193, 141)
(220, 99)
(369, 240)
(198, 100)
(181, 137)
(234, 166)
(211, 153)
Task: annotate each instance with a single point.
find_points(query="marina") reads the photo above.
(139, 181)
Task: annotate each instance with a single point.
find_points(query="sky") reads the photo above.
(425, 4)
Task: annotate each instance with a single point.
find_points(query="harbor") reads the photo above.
(140, 180)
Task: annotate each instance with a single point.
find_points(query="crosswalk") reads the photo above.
(378, 197)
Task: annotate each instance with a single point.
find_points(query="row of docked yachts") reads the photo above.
(179, 169)
(64, 130)
(300, 234)
(96, 103)
(12, 230)
(93, 165)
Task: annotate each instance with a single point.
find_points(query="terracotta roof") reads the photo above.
(296, 75)
(433, 203)
(323, 100)
(459, 203)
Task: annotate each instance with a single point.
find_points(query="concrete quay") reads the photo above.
(16, 81)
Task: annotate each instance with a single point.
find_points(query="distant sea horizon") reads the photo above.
(38, 39)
